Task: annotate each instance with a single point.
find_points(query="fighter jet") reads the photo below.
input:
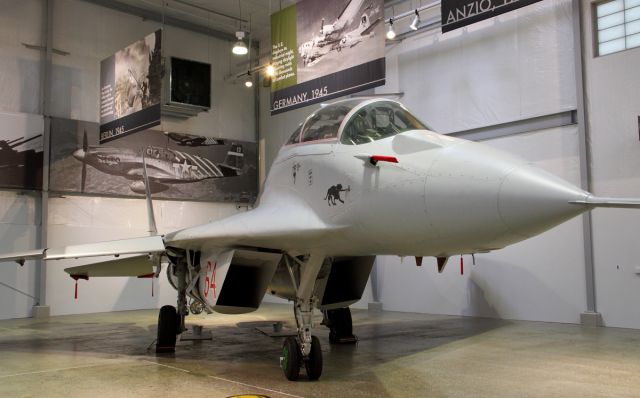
(333, 37)
(358, 178)
(164, 166)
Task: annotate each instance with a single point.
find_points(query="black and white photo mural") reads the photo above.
(179, 166)
(130, 88)
(21, 156)
(326, 49)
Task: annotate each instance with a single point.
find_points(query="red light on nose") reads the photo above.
(382, 158)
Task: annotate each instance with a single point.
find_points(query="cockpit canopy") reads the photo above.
(366, 121)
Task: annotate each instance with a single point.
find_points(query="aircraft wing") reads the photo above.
(278, 227)
(145, 245)
(349, 12)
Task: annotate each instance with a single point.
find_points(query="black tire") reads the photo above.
(314, 363)
(167, 329)
(291, 358)
(340, 324)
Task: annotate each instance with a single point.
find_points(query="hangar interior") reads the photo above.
(551, 312)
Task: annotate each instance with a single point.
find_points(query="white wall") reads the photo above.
(512, 67)
(18, 227)
(91, 33)
(20, 68)
(19, 222)
(613, 103)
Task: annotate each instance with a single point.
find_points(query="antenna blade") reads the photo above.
(147, 189)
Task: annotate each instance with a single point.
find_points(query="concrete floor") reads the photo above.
(399, 355)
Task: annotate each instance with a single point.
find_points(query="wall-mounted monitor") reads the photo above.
(188, 86)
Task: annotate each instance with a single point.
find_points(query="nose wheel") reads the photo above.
(292, 359)
(304, 349)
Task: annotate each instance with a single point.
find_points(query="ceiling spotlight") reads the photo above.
(240, 48)
(249, 81)
(416, 21)
(270, 70)
(391, 34)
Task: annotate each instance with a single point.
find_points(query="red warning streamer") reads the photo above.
(75, 278)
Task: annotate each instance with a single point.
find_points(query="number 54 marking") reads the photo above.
(210, 279)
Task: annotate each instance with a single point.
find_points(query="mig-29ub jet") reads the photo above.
(164, 166)
(358, 178)
(334, 38)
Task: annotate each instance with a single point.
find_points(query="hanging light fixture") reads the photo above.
(270, 70)
(249, 81)
(240, 48)
(391, 34)
(416, 21)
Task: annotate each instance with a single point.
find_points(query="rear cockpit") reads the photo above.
(355, 122)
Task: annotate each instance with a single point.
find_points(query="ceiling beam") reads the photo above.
(166, 19)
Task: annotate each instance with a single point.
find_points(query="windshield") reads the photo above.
(324, 123)
(379, 120)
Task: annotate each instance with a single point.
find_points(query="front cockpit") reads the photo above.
(378, 120)
(355, 122)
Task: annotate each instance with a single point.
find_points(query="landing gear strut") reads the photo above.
(304, 348)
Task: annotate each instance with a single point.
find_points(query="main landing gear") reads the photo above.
(171, 320)
(167, 329)
(340, 326)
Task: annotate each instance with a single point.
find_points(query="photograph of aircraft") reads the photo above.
(371, 180)
(354, 23)
(164, 166)
(333, 37)
(179, 166)
(135, 74)
(21, 162)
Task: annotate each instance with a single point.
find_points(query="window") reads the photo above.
(618, 25)
(295, 137)
(324, 124)
(377, 121)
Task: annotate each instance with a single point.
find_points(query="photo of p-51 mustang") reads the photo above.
(164, 166)
(358, 178)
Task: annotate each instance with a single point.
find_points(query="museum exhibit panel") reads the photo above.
(444, 192)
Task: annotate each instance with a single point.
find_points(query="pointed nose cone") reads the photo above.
(79, 154)
(532, 201)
